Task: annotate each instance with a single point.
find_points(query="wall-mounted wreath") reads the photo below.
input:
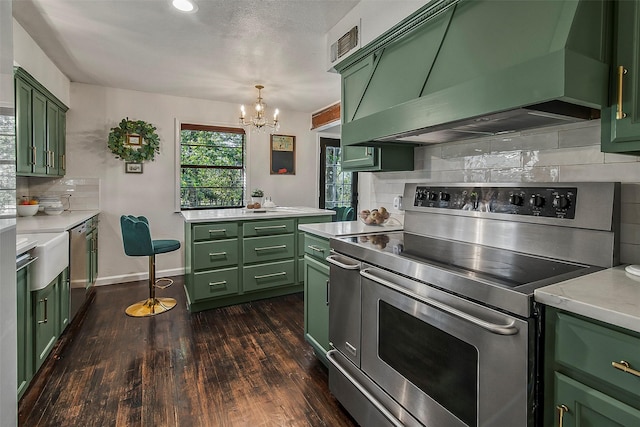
(144, 148)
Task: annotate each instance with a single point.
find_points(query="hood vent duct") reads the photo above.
(462, 69)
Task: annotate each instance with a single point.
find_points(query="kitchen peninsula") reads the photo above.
(239, 255)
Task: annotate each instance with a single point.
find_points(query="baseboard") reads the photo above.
(134, 277)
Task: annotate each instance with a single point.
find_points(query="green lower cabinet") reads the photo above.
(64, 299)
(583, 387)
(45, 310)
(240, 261)
(316, 306)
(580, 405)
(25, 351)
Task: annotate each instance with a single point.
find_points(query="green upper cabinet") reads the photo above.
(40, 129)
(377, 159)
(621, 118)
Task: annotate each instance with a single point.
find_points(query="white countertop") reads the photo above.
(348, 228)
(43, 223)
(611, 296)
(7, 223)
(218, 215)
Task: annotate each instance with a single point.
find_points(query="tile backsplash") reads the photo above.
(559, 154)
(84, 193)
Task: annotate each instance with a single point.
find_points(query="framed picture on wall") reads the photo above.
(133, 167)
(133, 139)
(283, 155)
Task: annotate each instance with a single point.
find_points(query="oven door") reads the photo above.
(448, 361)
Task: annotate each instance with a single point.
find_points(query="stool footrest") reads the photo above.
(150, 307)
(163, 279)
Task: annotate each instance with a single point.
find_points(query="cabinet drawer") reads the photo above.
(316, 247)
(270, 275)
(211, 284)
(216, 254)
(264, 228)
(215, 231)
(270, 248)
(592, 348)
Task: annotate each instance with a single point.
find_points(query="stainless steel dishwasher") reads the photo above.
(77, 267)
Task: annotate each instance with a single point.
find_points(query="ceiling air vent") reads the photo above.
(344, 44)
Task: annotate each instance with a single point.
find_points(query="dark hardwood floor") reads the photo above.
(244, 365)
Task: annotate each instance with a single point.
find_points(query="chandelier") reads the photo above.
(258, 122)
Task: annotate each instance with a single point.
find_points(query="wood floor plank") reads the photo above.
(244, 365)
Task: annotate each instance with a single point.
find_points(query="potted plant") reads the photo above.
(257, 195)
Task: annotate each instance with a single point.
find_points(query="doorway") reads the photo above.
(338, 189)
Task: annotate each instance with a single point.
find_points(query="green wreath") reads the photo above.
(149, 141)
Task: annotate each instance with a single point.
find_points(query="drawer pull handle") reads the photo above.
(270, 227)
(217, 254)
(46, 317)
(625, 367)
(222, 282)
(266, 276)
(619, 113)
(561, 411)
(218, 230)
(266, 248)
(316, 249)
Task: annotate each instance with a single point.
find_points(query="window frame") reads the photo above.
(199, 126)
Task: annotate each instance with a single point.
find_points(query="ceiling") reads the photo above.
(219, 52)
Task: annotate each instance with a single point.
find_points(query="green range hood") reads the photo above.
(461, 69)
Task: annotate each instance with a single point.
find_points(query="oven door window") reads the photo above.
(442, 366)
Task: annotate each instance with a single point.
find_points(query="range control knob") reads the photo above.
(433, 196)
(561, 202)
(536, 201)
(516, 199)
(445, 197)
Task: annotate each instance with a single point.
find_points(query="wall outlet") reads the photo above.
(397, 203)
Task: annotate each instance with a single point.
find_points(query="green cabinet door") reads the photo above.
(25, 352)
(316, 306)
(24, 146)
(63, 300)
(45, 321)
(39, 115)
(377, 159)
(61, 149)
(586, 407)
(53, 134)
(621, 134)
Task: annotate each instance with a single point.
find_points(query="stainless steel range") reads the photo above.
(437, 326)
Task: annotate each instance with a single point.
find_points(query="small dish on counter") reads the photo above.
(53, 210)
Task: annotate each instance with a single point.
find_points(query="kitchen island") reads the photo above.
(239, 255)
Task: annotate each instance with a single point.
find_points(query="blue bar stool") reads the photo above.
(136, 237)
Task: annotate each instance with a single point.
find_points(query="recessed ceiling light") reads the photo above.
(185, 5)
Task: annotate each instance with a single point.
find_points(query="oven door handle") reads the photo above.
(371, 398)
(331, 260)
(508, 329)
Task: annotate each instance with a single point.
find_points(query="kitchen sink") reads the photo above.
(52, 251)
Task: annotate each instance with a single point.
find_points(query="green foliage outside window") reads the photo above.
(212, 172)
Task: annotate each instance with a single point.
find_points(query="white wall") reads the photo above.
(28, 55)
(96, 109)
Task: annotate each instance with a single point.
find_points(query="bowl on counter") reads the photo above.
(49, 201)
(53, 210)
(27, 210)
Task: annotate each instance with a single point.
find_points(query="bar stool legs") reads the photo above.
(152, 305)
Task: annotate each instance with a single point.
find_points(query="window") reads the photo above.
(212, 167)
